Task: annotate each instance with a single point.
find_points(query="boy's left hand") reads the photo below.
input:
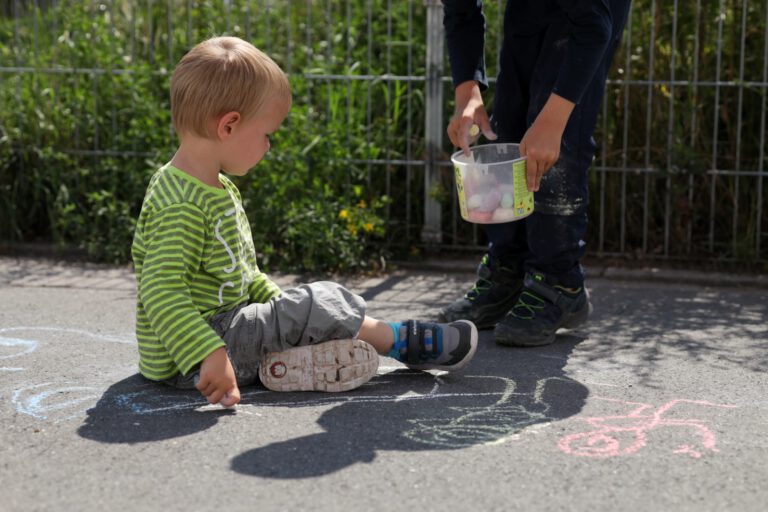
(541, 143)
(217, 379)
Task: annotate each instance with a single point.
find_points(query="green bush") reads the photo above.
(85, 121)
(309, 207)
(78, 147)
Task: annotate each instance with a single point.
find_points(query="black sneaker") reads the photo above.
(540, 311)
(493, 295)
(431, 346)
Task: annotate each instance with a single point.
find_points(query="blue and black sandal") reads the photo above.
(433, 346)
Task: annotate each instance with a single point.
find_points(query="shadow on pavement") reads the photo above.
(136, 410)
(643, 328)
(501, 393)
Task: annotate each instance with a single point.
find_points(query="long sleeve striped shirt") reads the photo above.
(194, 257)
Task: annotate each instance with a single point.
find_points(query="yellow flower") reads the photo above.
(352, 229)
(361, 204)
(368, 227)
(343, 214)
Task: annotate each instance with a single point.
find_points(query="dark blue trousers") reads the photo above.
(550, 240)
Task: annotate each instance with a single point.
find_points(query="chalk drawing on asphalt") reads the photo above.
(617, 435)
(15, 347)
(150, 402)
(58, 330)
(511, 411)
(490, 424)
(42, 400)
(48, 400)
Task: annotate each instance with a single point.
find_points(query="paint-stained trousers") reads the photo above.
(305, 315)
(550, 240)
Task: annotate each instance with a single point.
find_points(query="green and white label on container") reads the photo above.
(460, 190)
(523, 197)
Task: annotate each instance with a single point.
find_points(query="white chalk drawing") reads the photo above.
(59, 330)
(65, 400)
(490, 424)
(509, 412)
(15, 347)
(625, 434)
(150, 401)
(50, 401)
(42, 400)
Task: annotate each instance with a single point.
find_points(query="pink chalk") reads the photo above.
(626, 434)
(478, 216)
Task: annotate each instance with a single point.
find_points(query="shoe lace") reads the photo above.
(527, 305)
(480, 286)
(530, 302)
(483, 283)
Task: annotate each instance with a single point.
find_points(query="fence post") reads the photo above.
(431, 232)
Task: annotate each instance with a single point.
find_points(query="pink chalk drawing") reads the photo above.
(614, 436)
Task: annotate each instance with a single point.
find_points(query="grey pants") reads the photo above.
(305, 315)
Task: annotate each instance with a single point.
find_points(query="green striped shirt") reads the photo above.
(194, 257)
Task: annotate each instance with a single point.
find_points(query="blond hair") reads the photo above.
(221, 75)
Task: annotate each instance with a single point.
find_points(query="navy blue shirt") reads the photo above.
(590, 27)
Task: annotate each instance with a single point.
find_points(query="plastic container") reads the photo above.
(491, 184)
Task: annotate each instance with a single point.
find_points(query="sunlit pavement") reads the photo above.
(659, 403)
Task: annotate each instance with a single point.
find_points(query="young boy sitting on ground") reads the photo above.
(206, 316)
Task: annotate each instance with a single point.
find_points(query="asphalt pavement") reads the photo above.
(659, 403)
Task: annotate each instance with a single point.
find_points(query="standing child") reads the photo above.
(553, 63)
(206, 316)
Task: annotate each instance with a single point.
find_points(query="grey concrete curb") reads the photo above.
(37, 272)
(648, 274)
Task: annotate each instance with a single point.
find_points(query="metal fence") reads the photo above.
(680, 169)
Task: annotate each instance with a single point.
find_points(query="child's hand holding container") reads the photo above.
(491, 184)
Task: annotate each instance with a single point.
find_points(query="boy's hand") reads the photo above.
(541, 143)
(217, 379)
(469, 110)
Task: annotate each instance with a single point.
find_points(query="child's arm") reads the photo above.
(172, 258)
(262, 289)
(541, 142)
(217, 379)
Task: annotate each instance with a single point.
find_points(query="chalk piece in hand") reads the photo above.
(474, 130)
(226, 397)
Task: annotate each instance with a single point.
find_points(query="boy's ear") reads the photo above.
(227, 123)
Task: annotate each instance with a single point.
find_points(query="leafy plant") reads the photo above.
(84, 121)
